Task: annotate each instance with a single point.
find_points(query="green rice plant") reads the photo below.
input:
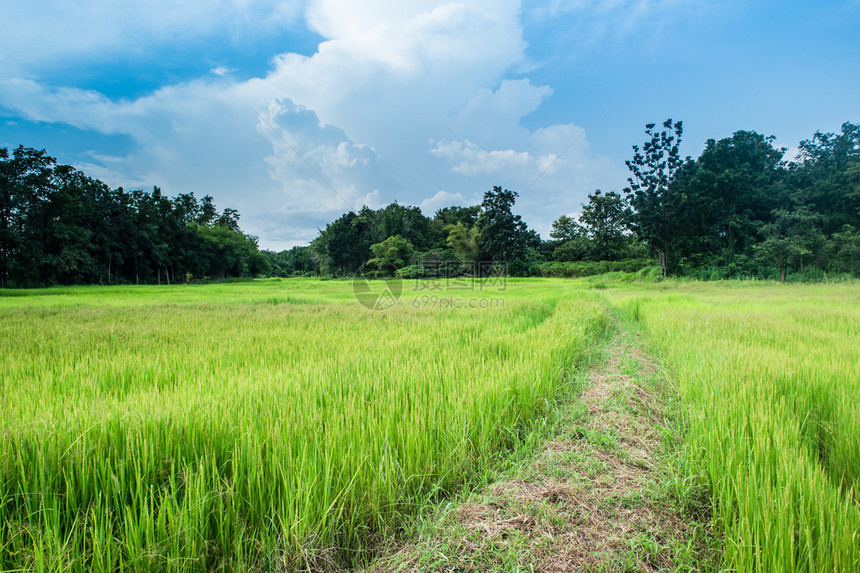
(768, 383)
(265, 425)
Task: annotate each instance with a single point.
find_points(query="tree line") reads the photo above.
(59, 226)
(738, 210)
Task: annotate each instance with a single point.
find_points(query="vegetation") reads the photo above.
(768, 392)
(59, 226)
(738, 210)
(277, 424)
(258, 425)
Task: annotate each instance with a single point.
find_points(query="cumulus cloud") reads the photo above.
(345, 127)
(469, 159)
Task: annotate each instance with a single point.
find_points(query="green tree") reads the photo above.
(740, 178)
(565, 229)
(391, 254)
(456, 214)
(504, 238)
(828, 177)
(408, 222)
(653, 169)
(605, 219)
(791, 237)
(344, 245)
(465, 242)
(844, 248)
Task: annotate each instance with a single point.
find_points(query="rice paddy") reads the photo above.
(279, 424)
(768, 381)
(263, 425)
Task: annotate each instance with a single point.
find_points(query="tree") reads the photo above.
(408, 222)
(465, 242)
(34, 179)
(565, 229)
(344, 245)
(828, 177)
(653, 169)
(455, 214)
(504, 237)
(791, 236)
(605, 219)
(391, 254)
(8, 197)
(740, 180)
(845, 250)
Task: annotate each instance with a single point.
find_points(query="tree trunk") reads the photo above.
(661, 256)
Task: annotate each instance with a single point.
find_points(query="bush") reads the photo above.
(575, 269)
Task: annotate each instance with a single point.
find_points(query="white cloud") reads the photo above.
(50, 32)
(222, 71)
(469, 159)
(389, 78)
(441, 199)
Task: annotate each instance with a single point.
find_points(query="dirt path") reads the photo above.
(595, 498)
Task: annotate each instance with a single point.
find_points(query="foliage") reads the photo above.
(566, 229)
(391, 254)
(296, 261)
(588, 268)
(791, 237)
(465, 242)
(58, 225)
(650, 193)
(605, 219)
(504, 239)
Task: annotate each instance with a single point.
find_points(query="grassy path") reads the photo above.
(595, 497)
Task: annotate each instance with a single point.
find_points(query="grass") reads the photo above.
(590, 496)
(279, 425)
(267, 425)
(768, 387)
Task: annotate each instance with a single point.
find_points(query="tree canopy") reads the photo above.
(59, 226)
(739, 209)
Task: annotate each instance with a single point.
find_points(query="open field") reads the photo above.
(768, 381)
(264, 424)
(279, 424)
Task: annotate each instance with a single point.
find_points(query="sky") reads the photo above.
(297, 111)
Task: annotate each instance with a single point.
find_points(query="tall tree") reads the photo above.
(790, 238)
(391, 254)
(828, 177)
(653, 169)
(742, 177)
(501, 232)
(34, 173)
(7, 210)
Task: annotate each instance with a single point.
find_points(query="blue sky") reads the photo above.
(427, 103)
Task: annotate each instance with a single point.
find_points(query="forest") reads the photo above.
(742, 209)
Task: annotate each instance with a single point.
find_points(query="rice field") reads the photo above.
(279, 424)
(768, 382)
(268, 425)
